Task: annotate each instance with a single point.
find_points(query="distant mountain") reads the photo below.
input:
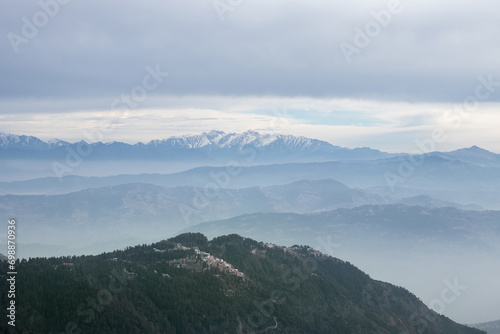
(437, 177)
(10, 142)
(474, 155)
(429, 202)
(85, 217)
(388, 226)
(435, 172)
(230, 284)
(492, 327)
(250, 146)
(123, 211)
(407, 246)
(3, 257)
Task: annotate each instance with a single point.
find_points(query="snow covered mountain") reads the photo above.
(10, 141)
(221, 140)
(249, 147)
(214, 145)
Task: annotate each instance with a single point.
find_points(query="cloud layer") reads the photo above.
(231, 63)
(422, 51)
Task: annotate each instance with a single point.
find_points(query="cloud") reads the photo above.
(390, 126)
(93, 49)
(239, 73)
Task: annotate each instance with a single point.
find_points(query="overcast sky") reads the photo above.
(355, 73)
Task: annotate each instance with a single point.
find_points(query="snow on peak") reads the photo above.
(8, 140)
(56, 143)
(222, 140)
(211, 140)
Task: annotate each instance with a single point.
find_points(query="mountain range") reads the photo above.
(416, 228)
(229, 284)
(410, 220)
(411, 246)
(474, 155)
(208, 146)
(108, 213)
(215, 146)
(436, 177)
(405, 245)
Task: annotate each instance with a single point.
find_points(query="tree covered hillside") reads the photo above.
(230, 284)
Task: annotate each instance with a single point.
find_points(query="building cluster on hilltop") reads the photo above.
(209, 260)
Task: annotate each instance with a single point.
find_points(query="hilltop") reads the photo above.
(230, 284)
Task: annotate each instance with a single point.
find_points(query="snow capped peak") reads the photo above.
(8, 140)
(214, 133)
(249, 133)
(213, 140)
(56, 143)
(207, 145)
(217, 139)
(214, 136)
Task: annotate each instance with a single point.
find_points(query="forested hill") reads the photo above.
(230, 284)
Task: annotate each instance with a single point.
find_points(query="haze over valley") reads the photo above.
(436, 224)
(232, 166)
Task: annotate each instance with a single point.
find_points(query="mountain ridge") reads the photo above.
(474, 154)
(490, 327)
(172, 209)
(215, 139)
(189, 284)
(206, 140)
(437, 177)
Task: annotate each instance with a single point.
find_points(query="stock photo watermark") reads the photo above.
(292, 278)
(265, 310)
(120, 108)
(222, 7)
(12, 273)
(31, 26)
(364, 36)
(454, 118)
(86, 311)
(421, 319)
(221, 180)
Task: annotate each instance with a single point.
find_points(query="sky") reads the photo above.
(384, 74)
